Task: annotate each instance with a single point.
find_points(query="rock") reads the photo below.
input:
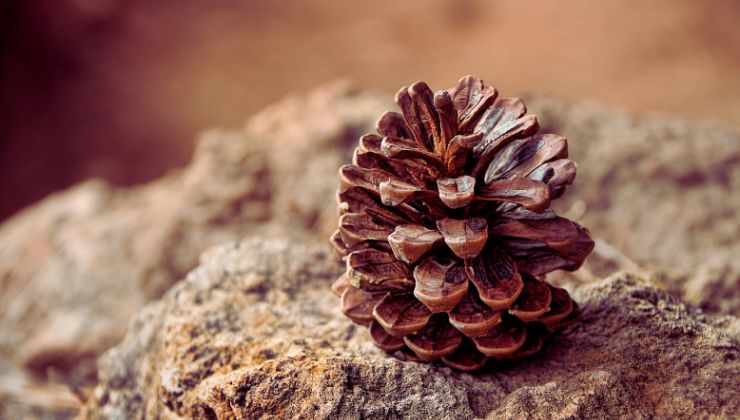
(711, 288)
(78, 265)
(254, 331)
(660, 194)
(308, 139)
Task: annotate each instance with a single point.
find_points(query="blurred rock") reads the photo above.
(254, 332)
(78, 265)
(308, 139)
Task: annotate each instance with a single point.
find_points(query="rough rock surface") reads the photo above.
(77, 266)
(662, 196)
(253, 332)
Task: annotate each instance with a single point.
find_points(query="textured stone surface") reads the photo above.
(661, 195)
(77, 266)
(253, 332)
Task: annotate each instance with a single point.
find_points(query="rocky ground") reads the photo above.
(252, 330)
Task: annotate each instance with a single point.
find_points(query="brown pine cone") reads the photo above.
(446, 229)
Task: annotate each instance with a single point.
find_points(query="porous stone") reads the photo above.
(252, 332)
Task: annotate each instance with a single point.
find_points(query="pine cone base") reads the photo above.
(446, 231)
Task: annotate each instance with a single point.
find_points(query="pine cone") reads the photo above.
(446, 229)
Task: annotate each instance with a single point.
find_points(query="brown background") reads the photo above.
(119, 88)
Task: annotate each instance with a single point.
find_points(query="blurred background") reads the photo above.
(118, 88)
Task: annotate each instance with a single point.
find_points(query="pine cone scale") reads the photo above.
(358, 304)
(499, 137)
(466, 358)
(437, 339)
(532, 343)
(472, 99)
(374, 268)
(533, 301)
(525, 155)
(466, 238)
(473, 317)
(456, 192)
(440, 283)
(423, 99)
(495, 277)
(561, 307)
(392, 124)
(532, 195)
(410, 242)
(447, 117)
(383, 340)
(401, 314)
(457, 152)
(503, 340)
(414, 119)
(502, 113)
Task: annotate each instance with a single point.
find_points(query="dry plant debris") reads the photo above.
(447, 233)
